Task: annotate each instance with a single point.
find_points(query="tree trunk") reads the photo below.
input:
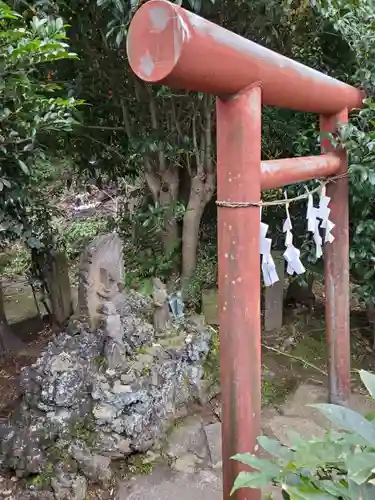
(190, 236)
(168, 197)
(163, 181)
(201, 190)
(370, 312)
(9, 342)
(200, 194)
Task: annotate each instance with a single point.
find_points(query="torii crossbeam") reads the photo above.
(169, 45)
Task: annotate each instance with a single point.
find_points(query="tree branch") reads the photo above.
(154, 124)
(101, 127)
(106, 146)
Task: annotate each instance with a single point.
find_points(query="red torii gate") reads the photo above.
(171, 46)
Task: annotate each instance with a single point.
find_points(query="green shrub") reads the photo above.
(340, 465)
(76, 234)
(144, 252)
(205, 274)
(15, 262)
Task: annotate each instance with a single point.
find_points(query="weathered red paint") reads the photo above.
(336, 272)
(169, 45)
(278, 173)
(238, 171)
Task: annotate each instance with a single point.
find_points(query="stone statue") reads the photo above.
(161, 312)
(101, 276)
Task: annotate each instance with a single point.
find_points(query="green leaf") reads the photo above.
(337, 490)
(33, 242)
(196, 5)
(23, 167)
(59, 24)
(258, 463)
(307, 492)
(349, 420)
(250, 480)
(370, 416)
(17, 229)
(361, 492)
(371, 178)
(360, 465)
(275, 448)
(368, 380)
(119, 38)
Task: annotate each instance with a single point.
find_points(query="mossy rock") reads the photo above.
(212, 363)
(84, 430)
(173, 342)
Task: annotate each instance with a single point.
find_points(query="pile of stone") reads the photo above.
(108, 386)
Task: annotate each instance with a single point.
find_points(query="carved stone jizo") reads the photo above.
(101, 276)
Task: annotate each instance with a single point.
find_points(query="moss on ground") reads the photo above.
(43, 479)
(173, 341)
(311, 349)
(212, 363)
(274, 391)
(101, 362)
(135, 465)
(84, 430)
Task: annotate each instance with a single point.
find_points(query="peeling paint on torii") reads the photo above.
(171, 46)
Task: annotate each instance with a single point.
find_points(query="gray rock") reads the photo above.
(111, 322)
(197, 343)
(60, 363)
(187, 463)
(37, 495)
(112, 445)
(128, 401)
(95, 467)
(136, 331)
(104, 413)
(115, 353)
(164, 485)
(64, 390)
(145, 359)
(69, 486)
(189, 437)
(128, 378)
(213, 434)
(22, 449)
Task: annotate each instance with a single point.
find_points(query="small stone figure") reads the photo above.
(161, 312)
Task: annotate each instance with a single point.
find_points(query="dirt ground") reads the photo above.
(35, 334)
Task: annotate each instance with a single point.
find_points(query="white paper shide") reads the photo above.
(268, 265)
(317, 219)
(291, 254)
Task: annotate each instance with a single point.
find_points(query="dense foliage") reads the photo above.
(31, 108)
(341, 465)
(356, 24)
(164, 141)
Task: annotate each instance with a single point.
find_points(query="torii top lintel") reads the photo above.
(169, 45)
